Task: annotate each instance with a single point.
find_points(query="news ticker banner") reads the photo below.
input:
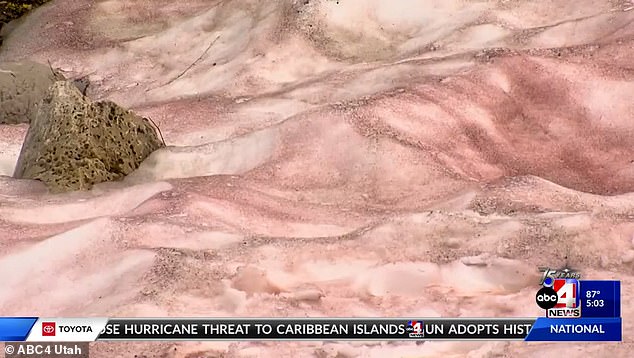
(33, 329)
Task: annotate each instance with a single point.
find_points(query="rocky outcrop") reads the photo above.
(22, 86)
(74, 143)
(13, 9)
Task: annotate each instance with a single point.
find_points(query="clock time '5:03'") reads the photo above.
(595, 303)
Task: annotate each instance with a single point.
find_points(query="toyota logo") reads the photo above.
(48, 328)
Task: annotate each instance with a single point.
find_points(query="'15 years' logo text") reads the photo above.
(559, 294)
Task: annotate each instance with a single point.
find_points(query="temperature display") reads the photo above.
(600, 298)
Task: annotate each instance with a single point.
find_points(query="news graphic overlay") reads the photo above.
(601, 298)
(34, 329)
(560, 295)
(415, 329)
(48, 329)
(576, 330)
(577, 310)
(16, 329)
(317, 329)
(47, 349)
(309, 329)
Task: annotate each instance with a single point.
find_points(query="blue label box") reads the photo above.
(576, 330)
(600, 298)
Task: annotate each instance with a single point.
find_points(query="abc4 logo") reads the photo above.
(563, 293)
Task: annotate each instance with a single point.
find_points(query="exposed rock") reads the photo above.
(82, 84)
(22, 86)
(11, 10)
(74, 143)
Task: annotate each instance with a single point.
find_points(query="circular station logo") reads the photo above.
(546, 298)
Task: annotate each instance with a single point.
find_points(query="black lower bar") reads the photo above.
(317, 329)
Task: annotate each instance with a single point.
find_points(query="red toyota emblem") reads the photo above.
(48, 328)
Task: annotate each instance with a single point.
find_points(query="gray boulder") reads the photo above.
(74, 143)
(22, 87)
